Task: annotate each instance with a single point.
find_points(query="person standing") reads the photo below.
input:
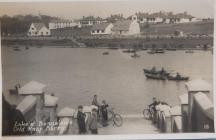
(81, 120)
(95, 101)
(93, 122)
(104, 112)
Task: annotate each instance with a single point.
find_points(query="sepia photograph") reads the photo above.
(107, 67)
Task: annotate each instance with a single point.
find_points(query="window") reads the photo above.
(102, 31)
(98, 31)
(32, 28)
(93, 31)
(29, 33)
(47, 33)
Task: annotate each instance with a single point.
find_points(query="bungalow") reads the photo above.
(101, 29)
(139, 17)
(38, 29)
(56, 24)
(126, 27)
(159, 17)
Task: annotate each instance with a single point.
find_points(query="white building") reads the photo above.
(101, 29)
(38, 29)
(90, 21)
(126, 27)
(56, 24)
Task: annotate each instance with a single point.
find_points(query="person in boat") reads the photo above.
(104, 112)
(153, 69)
(178, 75)
(81, 120)
(162, 72)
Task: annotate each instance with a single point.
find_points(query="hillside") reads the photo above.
(188, 28)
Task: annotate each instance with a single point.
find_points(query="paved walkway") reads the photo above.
(132, 124)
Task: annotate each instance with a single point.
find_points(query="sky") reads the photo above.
(103, 8)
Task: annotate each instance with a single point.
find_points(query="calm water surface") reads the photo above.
(76, 74)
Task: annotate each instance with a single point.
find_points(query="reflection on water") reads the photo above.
(76, 74)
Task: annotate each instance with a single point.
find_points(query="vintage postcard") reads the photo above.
(107, 67)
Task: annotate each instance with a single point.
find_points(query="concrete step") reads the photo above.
(132, 124)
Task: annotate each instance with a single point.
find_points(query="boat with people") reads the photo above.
(177, 78)
(154, 71)
(155, 76)
(163, 75)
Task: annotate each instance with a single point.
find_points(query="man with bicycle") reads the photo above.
(153, 107)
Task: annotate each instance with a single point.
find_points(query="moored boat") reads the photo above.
(105, 53)
(189, 51)
(177, 78)
(146, 71)
(155, 76)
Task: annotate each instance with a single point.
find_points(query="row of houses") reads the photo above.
(115, 24)
(163, 17)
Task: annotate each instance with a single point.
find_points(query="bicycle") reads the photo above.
(148, 113)
(113, 117)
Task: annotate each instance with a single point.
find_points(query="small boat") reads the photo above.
(189, 51)
(156, 51)
(146, 71)
(177, 78)
(128, 51)
(155, 76)
(26, 47)
(135, 55)
(105, 53)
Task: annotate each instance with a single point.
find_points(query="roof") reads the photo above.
(32, 87)
(198, 85)
(183, 15)
(122, 25)
(50, 100)
(101, 26)
(38, 26)
(27, 103)
(66, 112)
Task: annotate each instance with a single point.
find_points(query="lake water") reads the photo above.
(76, 74)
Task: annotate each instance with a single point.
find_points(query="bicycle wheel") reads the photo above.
(147, 114)
(117, 119)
